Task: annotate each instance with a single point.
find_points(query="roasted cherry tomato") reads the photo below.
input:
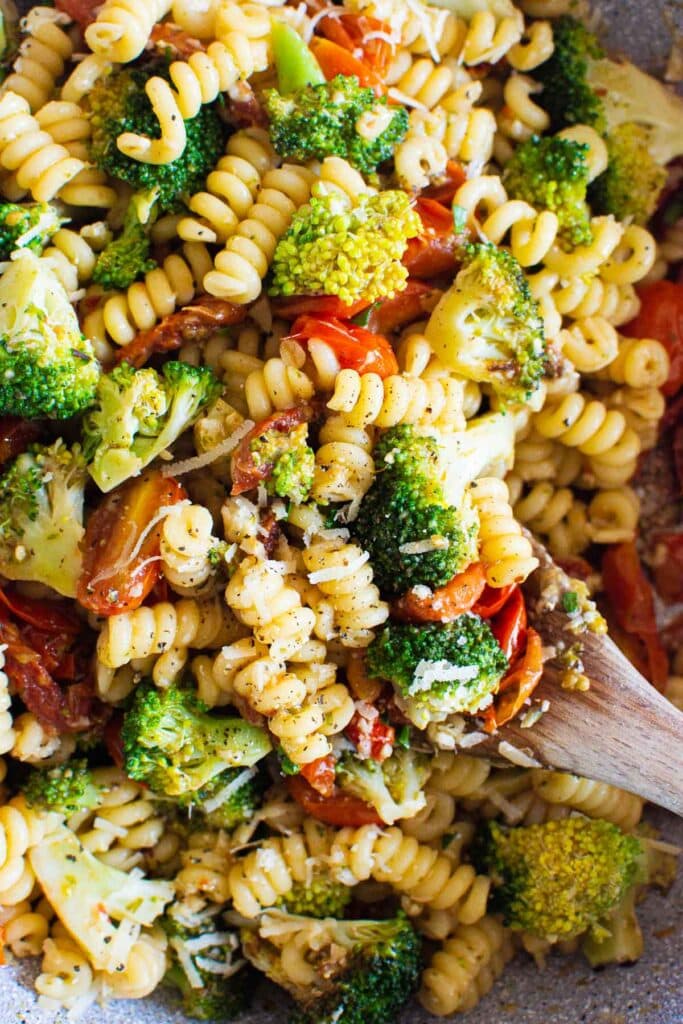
(336, 60)
(174, 40)
(340, 809)
(320, 775)
(509, 625)
(360, 34)
(82, 11)
(445, 603)
(445, 191)
(661, 317)
(492, 600)
(433, 251)
(669, 568)
(317, 305)
(120, 550)
(415, 301)
(30, 679)
(517, 686)
(245, 473)
(16, 435)
(355, 347)
(371, 737)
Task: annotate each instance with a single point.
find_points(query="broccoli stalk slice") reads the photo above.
(65, 789)
(175, 747)
(26, 226)
(295, 64)
(102, 907)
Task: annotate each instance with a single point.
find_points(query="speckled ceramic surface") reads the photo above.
(567, 991)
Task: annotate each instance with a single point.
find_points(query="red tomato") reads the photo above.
(661, 317)
(15, 436)
(355, 347)
(492, 600)
(82, 11)
(445, 603)
(669, 568)
(174, 40)
(351, 32)
(317, 305)
(445, 191)
(120, 553)
(509, 625)
(416, 300)
(575, 566)
(340, 809)
(245, 473)
(113, 740)
(320, 775)
(517, 686)
(49, 616)
(30, 679)
(336, 60)
(433, 251)
(371, 736)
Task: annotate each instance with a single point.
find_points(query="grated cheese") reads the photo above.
(471, 739)
(517, 756)
(422, 547)
(214, 802)
(206, 458)
(126, 558)
(105, 825)
(429, 672)
(339, 572)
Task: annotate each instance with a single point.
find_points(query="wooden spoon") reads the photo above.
(620, 731)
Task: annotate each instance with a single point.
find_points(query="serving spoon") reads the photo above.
(620, 731)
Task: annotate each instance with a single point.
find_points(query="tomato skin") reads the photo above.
(355, 347)
(415, 301)
(445, 603)
(317, 305)
(108, 583)
(350, 31)
(432, 252)
(320, 775)
(16, 435)
(509, 625)
(517, 686)
(336, 60)
(492, 600)
(661, 317)
(373, 734)
(340, 809)
(82, 11)
(245, 473)
(445, 191)
(669, 570)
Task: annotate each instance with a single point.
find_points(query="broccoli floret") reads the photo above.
(353, 252)
(127, 257)
(118, 103)
(103, 908)
(552, 174)
(438, 669)
(140, 413)
(394, 787)
(363, 972)
(487, 326)
(631, 185)
(557, 880)
(205, 963)
(228, 800)
(26, 226)
(321, 897)
(41, 517)
(290, 459)
(47, 367)
(175, 747)
(66, 789)
(582, 86)
(336, 118)
(407, 504)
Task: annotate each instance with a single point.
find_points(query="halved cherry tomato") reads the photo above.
(16, 435)
(352, 30)
(517, 686)
(492, 600)
(174, 40)
(433, 251)
(317, 305)
(49, 616)
(336, 60)
(509, 625)
(355, 347)
(661, 317)
(30, 679)
(340, 809)
(371, 737)
(417, 299)
(320, 775)
(82, 11)
(631, 599)
(575, 566)
(445, 191)
(245, 473)
(445, 603)
(120, 552)
(669, 568)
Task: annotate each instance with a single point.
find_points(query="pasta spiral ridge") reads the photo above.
(465, 968)
(23, 928)
(595, 799)
(400, 398)
(275, 385)
(20, 829)
(344, 467)
(41, 58)
(122, 28)
(68, 125)
(261, 598)
(42, 167)
(459, 775)
(7, 734)
(505, 552)
(187, 542)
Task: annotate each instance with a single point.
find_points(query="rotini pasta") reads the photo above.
(596, 799)
(122, 28)
(187, 544)
(42, 167)
(505, 553)
(465, 968)
(41, 58)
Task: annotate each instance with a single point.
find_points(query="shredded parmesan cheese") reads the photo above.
(339, 572)
(423, 547)
(517, 756)
(206, 458)
(471, 739)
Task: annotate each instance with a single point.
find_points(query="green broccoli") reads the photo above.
(438, 669)
(488, 328)
(26, 226)
(205, 964)
(118, 103)
(139, 413)
(47, 367)
(41, 517)
(567, 95)
(175, 747)
(552, 174)
(322, 896)
(395, 788)
(559, 879)
(363, 972)
(405, 506)
(336, 118)
(127, 257)
(633, 181)
(66, 789)
(227, 800)
(291, 459)
(353, 252)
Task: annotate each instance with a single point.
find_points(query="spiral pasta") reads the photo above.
(187, 543)
(68, 125)
(20, 829)
(639, 363)
(7, 734)
(400, 398)
(505, 553)
(41, 58)
(459, 775)
(260, 597)
(35, 744)
(144, 970)
(122, 28)
(596, 799)
(465, 968)
(23, 929)
(344, 467)
(42, 167)
(66, 979)
(275, 385)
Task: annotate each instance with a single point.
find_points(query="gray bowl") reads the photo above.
(567, 991)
